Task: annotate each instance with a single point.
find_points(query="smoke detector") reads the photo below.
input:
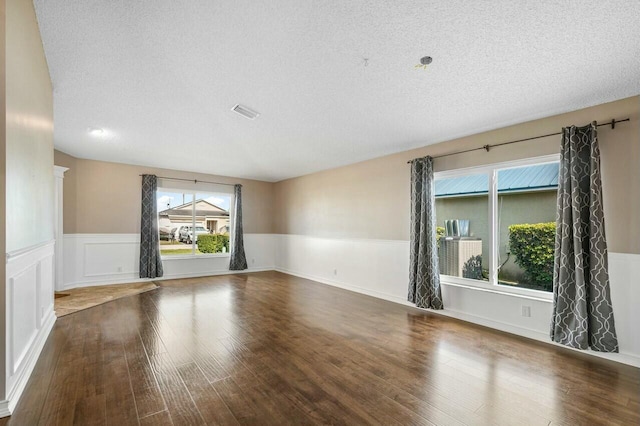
(245, 112)
(424, 61)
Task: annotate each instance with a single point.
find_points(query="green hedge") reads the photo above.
(439, 234)
(213, 243)
(533, 247)
(472, 268)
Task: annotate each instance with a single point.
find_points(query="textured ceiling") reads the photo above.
(160, 77)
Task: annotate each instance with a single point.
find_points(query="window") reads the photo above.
(193, 223)
(496, 224)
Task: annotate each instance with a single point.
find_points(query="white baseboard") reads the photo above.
(334, 283)
(70, 286)
(622, 357)
(446, 312)
(379, 268)
(4, 408)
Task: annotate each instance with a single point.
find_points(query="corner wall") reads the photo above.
(27, 201)
(349, 226)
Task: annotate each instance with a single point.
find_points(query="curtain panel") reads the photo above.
(238, 259)
(150, 260)
(582, 310)
(424, 276)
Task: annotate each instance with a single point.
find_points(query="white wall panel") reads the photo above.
(110, 257)
(22, 289)
(30, 316)
(624, 274)
(98, 259)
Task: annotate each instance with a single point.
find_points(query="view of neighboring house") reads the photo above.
(215, 219)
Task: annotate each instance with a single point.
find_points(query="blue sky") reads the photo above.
(172, 199)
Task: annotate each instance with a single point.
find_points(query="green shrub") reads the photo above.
(472, 268)
(533, 248)
(213, 243)
(439, 234)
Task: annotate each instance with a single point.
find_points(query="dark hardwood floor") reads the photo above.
(269, 348)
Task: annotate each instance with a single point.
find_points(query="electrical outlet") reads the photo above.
(119, 268)
(526, 311)
(253, 261)
(335, 272)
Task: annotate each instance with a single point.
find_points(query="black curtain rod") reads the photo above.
(612, 123)
(195, 180)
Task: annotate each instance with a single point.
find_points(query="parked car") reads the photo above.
(186, 235)
(165, 234)
(178, 232)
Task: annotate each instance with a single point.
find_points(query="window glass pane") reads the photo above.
(526, 226)
(212, 222)
(175, 220)
(462, 209)
(193, 224)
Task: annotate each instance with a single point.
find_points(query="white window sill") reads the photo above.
(541, 296)
(195, 256)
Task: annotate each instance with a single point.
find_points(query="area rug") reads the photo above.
(77, 299)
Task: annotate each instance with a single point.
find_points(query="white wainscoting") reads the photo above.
(98, 259)
(30, 316)
(380, 268)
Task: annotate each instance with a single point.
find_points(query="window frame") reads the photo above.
(193, 193)
(491, 170)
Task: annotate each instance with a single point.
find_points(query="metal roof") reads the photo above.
(544, 176)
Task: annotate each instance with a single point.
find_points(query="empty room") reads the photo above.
(320, 212)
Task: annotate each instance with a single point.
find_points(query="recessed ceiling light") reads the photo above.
(96, 131)
(245, 112)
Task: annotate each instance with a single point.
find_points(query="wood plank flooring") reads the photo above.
(269, 348)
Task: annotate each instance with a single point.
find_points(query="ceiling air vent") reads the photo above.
(245, 112)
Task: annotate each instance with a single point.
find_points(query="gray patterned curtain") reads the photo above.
(582, 311)
(238, 259)
(424, 278)
(150, 261)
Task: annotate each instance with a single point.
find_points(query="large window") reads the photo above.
(496, 224)
(193, 223)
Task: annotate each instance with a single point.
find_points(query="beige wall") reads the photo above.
(104, 198)
(29, 146)
(355, 201)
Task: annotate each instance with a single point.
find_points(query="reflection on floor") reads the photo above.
(77, 299)
(271, 349)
